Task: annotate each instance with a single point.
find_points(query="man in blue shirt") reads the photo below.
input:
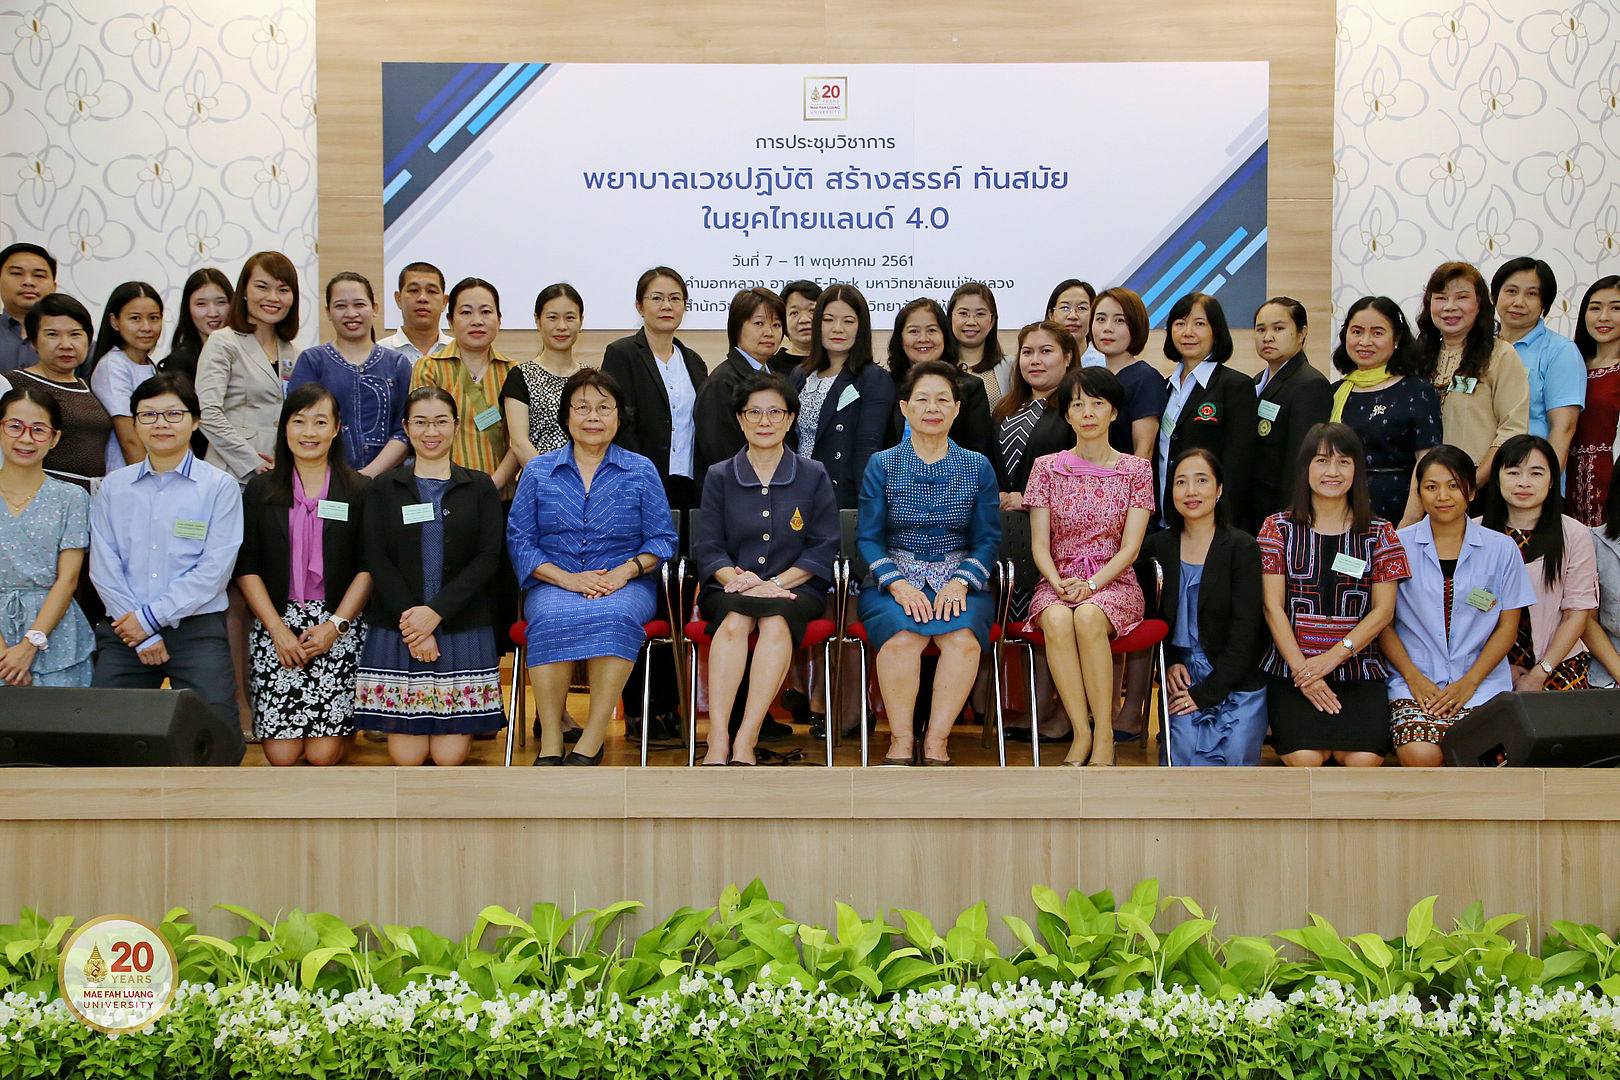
(27, 272)
(164, 533)
(1521, 292)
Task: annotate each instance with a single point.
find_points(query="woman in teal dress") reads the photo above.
(930, 526)
(45, 639)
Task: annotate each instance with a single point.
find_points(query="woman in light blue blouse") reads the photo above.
(369, 382)
(588, 528)
(44, 638)
(930, 527)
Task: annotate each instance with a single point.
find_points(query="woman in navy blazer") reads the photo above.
(1211, 406)
(845, 399)
(645, 365)
(764, 549)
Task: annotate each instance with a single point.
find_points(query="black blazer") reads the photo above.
(647, 429)
(848, 434)
(474, 540)
(1052, 434)
(718, 436)
(1231, 620)
(267, 538)
(973, 430)
(1304, 398)
(1221, 418)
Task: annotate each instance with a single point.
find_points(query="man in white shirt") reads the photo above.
(421, 301)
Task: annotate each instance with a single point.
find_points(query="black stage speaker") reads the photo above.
(47, 725)
(1550, 730)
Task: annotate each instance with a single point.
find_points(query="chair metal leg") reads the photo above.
(646, 697)
(520, 675)
(860, 649)
(691, 706)
(998, 705)
(514, 719)
(1034, 709)
(826, 689)
(1164, 709)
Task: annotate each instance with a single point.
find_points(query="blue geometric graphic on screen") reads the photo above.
(431, 114)
(1220, 249)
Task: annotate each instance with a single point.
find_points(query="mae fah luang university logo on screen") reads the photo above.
(117, 974)
(826, 98)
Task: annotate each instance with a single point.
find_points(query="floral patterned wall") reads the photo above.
(143, 143)
(1479, 131)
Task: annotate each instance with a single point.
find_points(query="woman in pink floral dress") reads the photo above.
(1088, 511)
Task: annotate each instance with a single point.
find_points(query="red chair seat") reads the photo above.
(1148, 633)
(818, 631)
(519, 633)
(858, 631)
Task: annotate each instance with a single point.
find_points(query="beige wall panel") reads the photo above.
(272, 793)
(82, 868)
(941, 867)
(1430, 794)
(809, 865)
(35, 794)
(1582, 795)
(355, 36)
(1365, 875)
(1252, 874)
(270, 867)
(974, 794)
(1580, 864)
(1217, 793)
(758, 793)
(451, 870)
(512, 793)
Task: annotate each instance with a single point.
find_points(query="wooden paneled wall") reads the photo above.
(1261, 846)
(354, 37)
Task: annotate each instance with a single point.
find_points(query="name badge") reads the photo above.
(328, 510)
(416, 513)
(1460, 385)
(849, 395)
(1269, 410)
(488, 418)
(1483, 599)
(190, 530)
(1167, 425)
(1349, 564)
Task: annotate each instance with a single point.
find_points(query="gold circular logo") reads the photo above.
(117, 974)
(1265, 427)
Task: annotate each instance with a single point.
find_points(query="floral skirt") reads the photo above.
(312, 702)
(457, 694)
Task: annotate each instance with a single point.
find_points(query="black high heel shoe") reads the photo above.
(548, 759)
(576, 758)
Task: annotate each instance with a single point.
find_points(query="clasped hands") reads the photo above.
(593, 584)
(130, 631)
(1311, 679)
(948, 602)
(416, 626)
(296, 650)
(751, 584)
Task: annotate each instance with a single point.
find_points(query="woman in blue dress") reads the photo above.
(369, 382)
(588, 529)
(1216, 696)
(44, 637)
(930, 527)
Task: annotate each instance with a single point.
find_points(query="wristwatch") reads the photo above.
(343, 625)
(1544, 666)
(1349, 646)
(1091, 586)
(37, 640)
(777, 581)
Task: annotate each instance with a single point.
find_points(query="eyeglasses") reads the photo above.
(422, 423)
(37, 432)
(173, 416)
(605, 408)
(658, 299)
(775, 416)
(1072, 309)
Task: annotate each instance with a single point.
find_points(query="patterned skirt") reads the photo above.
(312, 702)
(1409, 723)
(457, 694)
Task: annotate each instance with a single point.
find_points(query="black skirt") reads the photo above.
(1362, 723)
(714, 604)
